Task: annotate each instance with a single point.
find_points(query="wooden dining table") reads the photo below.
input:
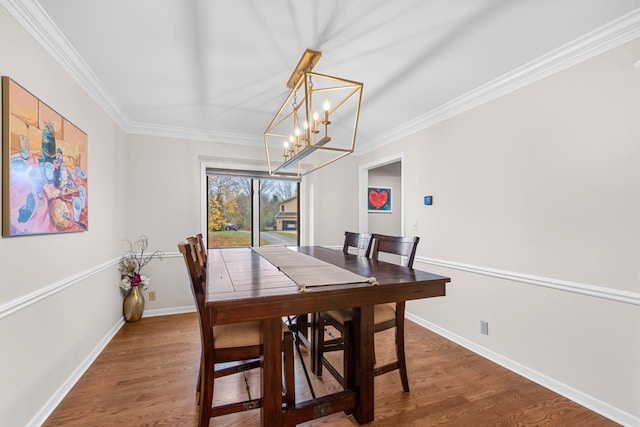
(244, 286)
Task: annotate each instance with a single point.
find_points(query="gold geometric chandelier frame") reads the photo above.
(317, 122)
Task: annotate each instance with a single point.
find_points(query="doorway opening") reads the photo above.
(384, 175)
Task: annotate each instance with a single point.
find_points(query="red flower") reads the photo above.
(136, 280)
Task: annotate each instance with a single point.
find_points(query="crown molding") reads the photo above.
(39, 25)
(33, 18)
(139, 128)
(600, 40)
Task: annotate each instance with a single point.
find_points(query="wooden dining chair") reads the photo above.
(362, 243)
(199, 254)
(386, 316)
(200, 248)
(359, 241)
(222, 344)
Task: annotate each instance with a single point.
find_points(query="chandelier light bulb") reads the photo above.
(327, 107)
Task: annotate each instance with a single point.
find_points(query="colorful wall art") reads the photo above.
(379, 199)
(44, 167)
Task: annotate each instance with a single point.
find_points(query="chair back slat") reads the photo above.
(357, 240)
(198, 280)
(397, 245)
(200, 251)
(202, 248)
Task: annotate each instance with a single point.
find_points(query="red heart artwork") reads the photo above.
(378, 199)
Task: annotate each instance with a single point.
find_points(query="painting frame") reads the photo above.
(44, 167)
(379, 199)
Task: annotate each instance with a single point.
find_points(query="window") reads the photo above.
(234, 212)
(279, 212)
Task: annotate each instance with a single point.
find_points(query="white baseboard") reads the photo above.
(169, 311)
(617, 415)
(60, 394)
(48, 408)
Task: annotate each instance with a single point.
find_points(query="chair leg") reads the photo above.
(318, 345)
(347, 356)
(296, 344)
(289, 377)
(206, 393)
(402, 363)
(199, 383)
(303, 326)
(313, 329)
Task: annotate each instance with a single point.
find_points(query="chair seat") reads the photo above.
(381, 313)
(244, 334)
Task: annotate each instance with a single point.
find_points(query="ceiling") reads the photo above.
(217, 69)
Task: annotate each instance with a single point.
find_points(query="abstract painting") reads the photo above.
(44, 167)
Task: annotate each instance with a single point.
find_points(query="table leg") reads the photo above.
(271, 381)
(363, 362)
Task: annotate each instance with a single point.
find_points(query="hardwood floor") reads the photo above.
(147, 376)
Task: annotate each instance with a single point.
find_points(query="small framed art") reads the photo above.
(379, 199)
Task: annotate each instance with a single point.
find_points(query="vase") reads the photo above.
(133, 305)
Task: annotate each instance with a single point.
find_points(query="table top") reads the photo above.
(242, 285)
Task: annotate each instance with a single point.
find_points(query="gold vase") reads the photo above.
(133, 305)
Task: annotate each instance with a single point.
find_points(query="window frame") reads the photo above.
(208, 169)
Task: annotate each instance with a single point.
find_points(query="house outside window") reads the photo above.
(287, 217)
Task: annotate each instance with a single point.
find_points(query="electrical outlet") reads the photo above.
(484, 327)
(152, 295)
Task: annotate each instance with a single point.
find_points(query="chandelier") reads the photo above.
(317, 122)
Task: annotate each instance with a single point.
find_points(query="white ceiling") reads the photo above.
(217, 69)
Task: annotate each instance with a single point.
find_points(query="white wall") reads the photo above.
(541, 182)
(59, 297)
(534, 191)
(332, 202)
